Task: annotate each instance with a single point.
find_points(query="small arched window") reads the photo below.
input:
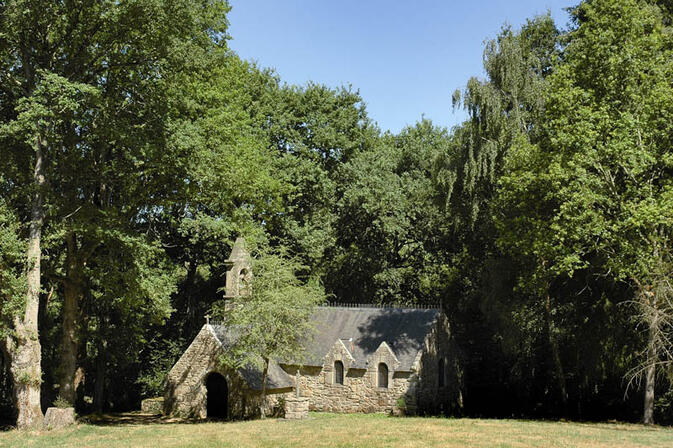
(440, 373)
(383, 375)
(338, 372)
(244, 282)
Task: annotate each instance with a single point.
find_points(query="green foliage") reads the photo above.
(314, 130)
(274, 319)
(163, 354)
(61, 403)
(593, 191)
(389, 228)
(12, 265)
(611, 176)
(26, 378)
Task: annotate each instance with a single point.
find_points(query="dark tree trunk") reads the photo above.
(69, 342)
(193, 321)
(648, 414)
(650, 372)
(99, 387)
(558, 365)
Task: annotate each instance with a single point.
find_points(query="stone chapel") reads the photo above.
(360, 359)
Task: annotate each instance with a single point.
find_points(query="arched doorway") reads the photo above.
(217, 394)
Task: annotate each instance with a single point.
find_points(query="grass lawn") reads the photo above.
(355, 430)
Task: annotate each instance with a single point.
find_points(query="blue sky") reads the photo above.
(405, 58)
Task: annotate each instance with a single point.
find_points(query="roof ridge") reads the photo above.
(380, 306)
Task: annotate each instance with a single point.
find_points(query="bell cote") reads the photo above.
(239, 272)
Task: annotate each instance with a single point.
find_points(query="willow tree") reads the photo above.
(89, 97)
(502, 108)
(505, 110)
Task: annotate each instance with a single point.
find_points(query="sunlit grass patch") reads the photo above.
(355, 430)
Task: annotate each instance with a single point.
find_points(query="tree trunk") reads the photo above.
(653, 327)
(558, 366)
(263, 396)
(69, 343)
(25, 349)
(648, 414)
(99, 387)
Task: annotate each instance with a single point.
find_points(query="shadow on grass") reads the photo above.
(138, 418)
(611, 425)
(614, 425)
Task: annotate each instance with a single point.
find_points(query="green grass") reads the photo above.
(355, 430)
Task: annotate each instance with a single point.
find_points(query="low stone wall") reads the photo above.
(296, 408)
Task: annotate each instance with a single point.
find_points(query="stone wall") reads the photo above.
(296, 408)
(58, 418)
(359, 393)
(186, 394)
(152, 405)
(433, 398)
(410, 392)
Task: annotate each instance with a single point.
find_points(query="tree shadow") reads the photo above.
(135, 418)
(404, 330)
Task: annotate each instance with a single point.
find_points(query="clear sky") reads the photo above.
(405, 58)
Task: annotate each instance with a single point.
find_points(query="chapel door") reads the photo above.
(217, 394)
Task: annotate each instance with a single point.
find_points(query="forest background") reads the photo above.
(136, 146)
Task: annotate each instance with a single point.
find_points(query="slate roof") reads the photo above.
(276, 377)
(403, 329)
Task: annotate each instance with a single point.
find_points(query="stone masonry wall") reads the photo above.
(413, 392)
(185, 394)
(432, 398)
(359, 393)
(296, 408)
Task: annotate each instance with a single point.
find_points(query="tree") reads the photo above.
(315, 130)
(390, 228)
(16, 320)
(272, 322)
(506, 115)
(598, 186)
(505, 107)
(616, 140)
(89, 101)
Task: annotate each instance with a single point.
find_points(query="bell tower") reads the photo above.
(239, 272)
